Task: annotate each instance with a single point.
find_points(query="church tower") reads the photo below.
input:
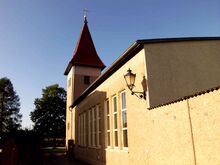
(85, 65)
(83, 69)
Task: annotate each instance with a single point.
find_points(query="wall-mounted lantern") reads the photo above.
(130, 81)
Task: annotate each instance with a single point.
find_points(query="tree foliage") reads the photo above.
(49, 115)
(10, 118)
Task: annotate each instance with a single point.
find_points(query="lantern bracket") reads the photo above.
(130, 81)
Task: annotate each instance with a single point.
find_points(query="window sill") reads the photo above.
(125, 150)
(92, 147)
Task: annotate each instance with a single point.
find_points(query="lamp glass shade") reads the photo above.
(130, 79)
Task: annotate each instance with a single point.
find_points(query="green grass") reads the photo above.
(52, 149)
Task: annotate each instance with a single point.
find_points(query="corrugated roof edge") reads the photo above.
(127, 55)
(187, 97)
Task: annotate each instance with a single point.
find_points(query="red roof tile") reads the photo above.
(85, 53)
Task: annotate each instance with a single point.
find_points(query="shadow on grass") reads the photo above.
(53, 150)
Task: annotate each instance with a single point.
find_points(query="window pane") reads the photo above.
(94, 113)
(115, 104)
(99, 124)
(124, 119)
(91, 128)
(95, 140)
(108, 140)
(99, 111)
(69, 82)
(123, 100)
(89, 133)
(100, 136)
(116, 138)
(107, 107)
(115, 121)
(87, 80)
(68, 126)
(108, 122)
(95, 126)
(79, 130)
(125, 138)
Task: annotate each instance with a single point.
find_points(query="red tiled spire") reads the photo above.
(85, 53)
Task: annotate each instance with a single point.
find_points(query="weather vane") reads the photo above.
(85, 12)
(85, 15)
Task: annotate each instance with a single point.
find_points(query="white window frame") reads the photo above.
(79, 130)
(84, 129)
(108, 130)
(93, 127)
(115, 113)
(98, 129)
(90, 128)
(123, 128)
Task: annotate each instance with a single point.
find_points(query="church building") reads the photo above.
(157, 104)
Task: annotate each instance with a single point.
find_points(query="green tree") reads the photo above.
(49, 115)
(10, 118)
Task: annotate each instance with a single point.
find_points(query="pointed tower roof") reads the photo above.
(85, 53)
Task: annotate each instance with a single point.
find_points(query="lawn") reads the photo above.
(52, 149)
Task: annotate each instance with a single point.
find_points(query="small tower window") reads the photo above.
(87, 80)
(69, 82)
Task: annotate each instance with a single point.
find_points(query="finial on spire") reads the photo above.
(85, 15)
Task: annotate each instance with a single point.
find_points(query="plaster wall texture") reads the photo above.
(113, 86)
(167, 136)
(69, 125)
(78, 78)
(182, 133)
(179, 69)
(75, 86)
(205, 115)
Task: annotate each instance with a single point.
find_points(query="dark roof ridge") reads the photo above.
(176, 39)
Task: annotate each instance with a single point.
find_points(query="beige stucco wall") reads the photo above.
(74, 89)
(179, 69)
(70, 125)
(205, 114)
(182, 133)
(78, 78)
(113, 86)
(167, 136)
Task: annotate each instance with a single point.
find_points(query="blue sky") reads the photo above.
(38, 37)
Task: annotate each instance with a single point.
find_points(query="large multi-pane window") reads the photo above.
(108, 131)
(98, 125)
(124, 120)
(82, 129)
(94, 129)
(115, 121)
(90, 127)
(116, 124)
(79, 130)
